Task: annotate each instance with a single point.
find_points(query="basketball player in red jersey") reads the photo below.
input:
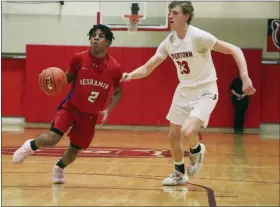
(92, 73)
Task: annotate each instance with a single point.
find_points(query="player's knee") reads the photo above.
(174, 138)
(173, 135)
(187, 131)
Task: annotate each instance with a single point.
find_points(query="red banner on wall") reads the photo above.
(273, 35)
(145, 101)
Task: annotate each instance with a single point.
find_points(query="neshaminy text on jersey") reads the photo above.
(93, 82)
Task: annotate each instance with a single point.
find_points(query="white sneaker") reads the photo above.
(176, 178)
(196, 161)
(57, 175)
(21, 153)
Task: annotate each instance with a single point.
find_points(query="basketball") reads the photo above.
(52, 81)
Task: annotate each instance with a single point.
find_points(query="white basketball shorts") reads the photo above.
(197, 101)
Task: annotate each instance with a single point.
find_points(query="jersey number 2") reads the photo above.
(184, 68)
(92, 97)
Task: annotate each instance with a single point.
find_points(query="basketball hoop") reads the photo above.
(132, 22)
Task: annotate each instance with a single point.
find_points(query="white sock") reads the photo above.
(195, 146)
(179, 163)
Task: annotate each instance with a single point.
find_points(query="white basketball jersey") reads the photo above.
(191, 55)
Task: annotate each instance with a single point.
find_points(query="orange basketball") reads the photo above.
(52, 81)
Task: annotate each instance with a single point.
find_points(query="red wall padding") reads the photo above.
(270, 93)
(146, 101)
(226, 71)
(13, 71)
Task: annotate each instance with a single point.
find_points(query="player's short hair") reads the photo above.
(106, 30)
(186, 6)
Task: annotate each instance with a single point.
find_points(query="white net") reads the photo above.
(132, 22)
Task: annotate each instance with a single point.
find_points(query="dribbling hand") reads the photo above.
(125, 77)
(105, 114)
(248, 87)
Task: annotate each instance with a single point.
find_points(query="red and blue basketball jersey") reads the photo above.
(93, 79)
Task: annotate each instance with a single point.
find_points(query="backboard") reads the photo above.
(155, 15)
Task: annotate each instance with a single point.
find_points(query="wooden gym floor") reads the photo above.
(125, 168)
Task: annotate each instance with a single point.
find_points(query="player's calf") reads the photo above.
(58, 170)
(197, 150)
(69, 156)
(177, 152)
(46, 140)
(175, 142)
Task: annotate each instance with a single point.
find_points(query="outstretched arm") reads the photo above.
(236, 52)
(146, 69)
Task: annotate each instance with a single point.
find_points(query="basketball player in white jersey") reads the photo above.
(196, 95)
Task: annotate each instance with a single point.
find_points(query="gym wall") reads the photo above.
(49, 40)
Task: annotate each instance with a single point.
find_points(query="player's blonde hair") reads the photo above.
(186, 6)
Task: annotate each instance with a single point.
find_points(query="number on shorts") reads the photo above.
(184, 67)
(92, 97)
